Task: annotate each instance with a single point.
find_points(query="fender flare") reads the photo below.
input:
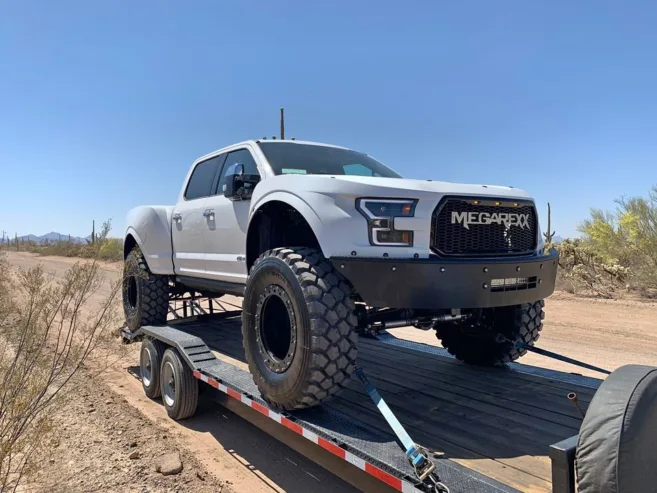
(306, 211)
(150, 228)
(132, 232)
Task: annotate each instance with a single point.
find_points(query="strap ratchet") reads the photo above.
(423, 466)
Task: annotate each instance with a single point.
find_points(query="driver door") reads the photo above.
(225, 236)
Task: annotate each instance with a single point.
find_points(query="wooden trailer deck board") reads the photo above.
(497, 422)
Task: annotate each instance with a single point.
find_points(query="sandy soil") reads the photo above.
(227, 451)
(605, 333)
(231, 454)
(105, 444)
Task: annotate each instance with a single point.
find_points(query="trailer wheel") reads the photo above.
(178, 386)
(298, 328)
(489, 338)
(145, 295)
(150, 360)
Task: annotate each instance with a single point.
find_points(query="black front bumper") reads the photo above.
(450, 283)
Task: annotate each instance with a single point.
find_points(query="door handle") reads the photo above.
(177, 217)
(208, 213)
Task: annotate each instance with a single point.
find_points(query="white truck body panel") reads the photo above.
(187, 237)
(225, 239)
(328, 205)
(150, 226)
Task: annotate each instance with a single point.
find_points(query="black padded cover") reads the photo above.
(617, 448)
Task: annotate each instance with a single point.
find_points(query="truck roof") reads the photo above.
(256, 141)
(301, 142)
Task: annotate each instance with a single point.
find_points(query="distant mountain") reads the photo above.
(51, 237)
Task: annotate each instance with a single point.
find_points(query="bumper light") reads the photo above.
(509, 281)
(513, 284)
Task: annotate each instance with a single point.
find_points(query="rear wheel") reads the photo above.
(145, 295)
(150, 359)
(178, 386)
(490, 337)
(298, 328)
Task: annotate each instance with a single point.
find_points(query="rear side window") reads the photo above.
(200, 183)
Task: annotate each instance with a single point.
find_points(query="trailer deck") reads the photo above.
(494, 426)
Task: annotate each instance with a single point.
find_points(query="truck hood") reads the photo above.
(387, 187)
(436, 186)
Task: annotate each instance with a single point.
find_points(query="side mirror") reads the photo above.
(238, 185)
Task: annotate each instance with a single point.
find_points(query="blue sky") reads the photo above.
(104, 104)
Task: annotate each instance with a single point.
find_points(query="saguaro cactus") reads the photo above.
(549, 235)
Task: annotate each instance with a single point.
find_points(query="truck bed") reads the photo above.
(494, 426)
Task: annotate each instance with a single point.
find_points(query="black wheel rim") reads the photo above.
(275, 329)
(131, 291)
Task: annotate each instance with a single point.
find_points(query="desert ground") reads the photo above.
(113, 437)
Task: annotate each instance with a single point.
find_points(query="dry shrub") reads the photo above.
(583, 271)
(47, 330)
(110, 249)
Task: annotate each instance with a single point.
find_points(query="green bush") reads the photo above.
(618, 249)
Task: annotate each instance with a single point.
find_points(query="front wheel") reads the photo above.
(298, 328)
(489, 338)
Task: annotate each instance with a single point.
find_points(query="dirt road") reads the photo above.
(228, 452)
(602, 332)
(605, 333)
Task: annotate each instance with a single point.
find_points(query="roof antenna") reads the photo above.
(282, 124)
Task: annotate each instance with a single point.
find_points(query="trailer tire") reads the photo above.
(616, 450)
(178, 386)
(150, 361)
(489, 339)
(145, 295)
(298, 328)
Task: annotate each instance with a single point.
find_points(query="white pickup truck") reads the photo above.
(325, 243)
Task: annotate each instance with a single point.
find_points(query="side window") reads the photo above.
(242, 156)
(200, 183)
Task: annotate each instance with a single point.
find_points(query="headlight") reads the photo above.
(381, 214)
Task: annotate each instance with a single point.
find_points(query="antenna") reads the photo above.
(282, 123)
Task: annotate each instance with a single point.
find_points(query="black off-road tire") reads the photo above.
(182, 403)
(150, 361)
(145, 295)
(319, 356)
(489, 339)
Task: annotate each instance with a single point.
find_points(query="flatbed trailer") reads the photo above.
(499, 430)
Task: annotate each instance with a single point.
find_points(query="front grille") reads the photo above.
(494, 227)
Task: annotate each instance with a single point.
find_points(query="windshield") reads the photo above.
(307, 159)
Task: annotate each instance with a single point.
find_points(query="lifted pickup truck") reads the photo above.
(325, 243)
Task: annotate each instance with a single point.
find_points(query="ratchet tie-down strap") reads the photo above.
(423, 466)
